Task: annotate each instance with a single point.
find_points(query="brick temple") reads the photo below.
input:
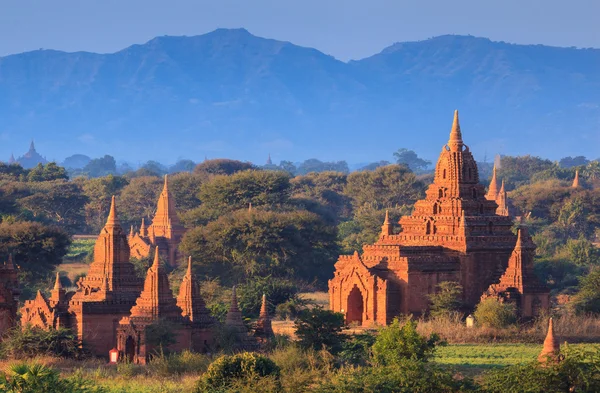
(112, 307)
(457, 233)
(165, 231)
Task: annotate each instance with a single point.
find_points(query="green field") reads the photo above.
(81, 251)
(485, 356)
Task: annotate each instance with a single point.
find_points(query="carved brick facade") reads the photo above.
(165, 231)
(454, 234)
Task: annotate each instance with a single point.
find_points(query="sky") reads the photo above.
(348, 29)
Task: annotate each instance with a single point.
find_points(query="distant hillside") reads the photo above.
(229, 93)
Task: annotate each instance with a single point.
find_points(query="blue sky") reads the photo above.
(347, 29)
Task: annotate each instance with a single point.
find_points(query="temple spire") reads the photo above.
(156, 262)
(143, 230)
(10, 265)
(576, 180)
(492, 193)
(57, 284)
(455, 142)
(189, 267)
(386, 228)
(263, 307)
(551, 346)
(501, 200)
(131, 233)
(112, 219)
(32, 146)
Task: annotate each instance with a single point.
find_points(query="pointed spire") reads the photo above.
(112, 220)
(269, 162)
(57, 284)
(455, 142)
(551, 347)
(250, 207)
(233, 307)
(386, 228)
(492, 193)
(32, 146)
(263, 307)
(166, 184)
(519, 243)
(12, 160)
(143, 230)
(189, 268)
(131, 233)
(156, 262)
(576, 180)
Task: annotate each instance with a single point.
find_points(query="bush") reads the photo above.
(34, 341)
(492, 313)
(407, 376)
(446, 299)
(587, 300)
(577, 372)
(357, 350)
(178, 363)
(318, 328)
(242, 367)
(397, 342)
(277, 290)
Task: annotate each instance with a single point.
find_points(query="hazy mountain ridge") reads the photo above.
(229, 93)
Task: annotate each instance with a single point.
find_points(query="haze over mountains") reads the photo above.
(231, 94)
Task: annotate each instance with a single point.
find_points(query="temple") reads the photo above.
(263, 329)
(185, 319)
(519, 284)
(31, 158)
(9, 296)
(575, 183)
(454, 234)
(236, 327)
(165, 231)
(103, 297)
(498, 195)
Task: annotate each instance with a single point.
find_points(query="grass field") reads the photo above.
(81, 251)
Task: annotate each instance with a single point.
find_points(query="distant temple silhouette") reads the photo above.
(29, 159)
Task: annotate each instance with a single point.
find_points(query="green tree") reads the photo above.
(139, 198)
(314, 165)
(222, 167)
(411, 160)
(318, 328)
(99, 167)
(397, 342)
(519, 170)
(47, 172)
(446, 299)
(37, 249)
(495, 314)
(587, 299)
(277, 290)
(99, 192)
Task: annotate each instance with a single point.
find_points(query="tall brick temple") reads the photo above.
(165, 231)
(454, 234)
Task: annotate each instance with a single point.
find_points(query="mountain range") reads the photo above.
(231, 94)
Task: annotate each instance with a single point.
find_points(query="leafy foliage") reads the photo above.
(318, 328)
(446, 299)
(397, 342)
(30, 342)
(492, 313)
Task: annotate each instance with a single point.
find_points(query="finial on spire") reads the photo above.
(112, 215)
(492, 193)
(250, 206)
(576, 180)
(166, 182)
(234, 304)
(131, 233)
(189, 268)
(519, 243)
(386, 228)
(263, 307)
(455, 142)
(10, 265)
(57, 284)
(32, 146)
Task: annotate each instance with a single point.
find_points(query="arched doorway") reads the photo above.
(354, 311)
(129, 349)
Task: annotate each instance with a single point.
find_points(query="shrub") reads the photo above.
(492, 313)
(318, 328)
(35, 378)
(407, 376)
(357, 350)
(587, 300)
(397, 342)
(292, 308)
(277, 290)
(33, 341)
(178, 363)
(242, 367)
(446, 299)
(577, 372)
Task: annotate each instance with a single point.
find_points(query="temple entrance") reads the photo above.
(129, 349)
(354, 311)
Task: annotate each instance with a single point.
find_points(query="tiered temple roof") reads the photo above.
(191, 302)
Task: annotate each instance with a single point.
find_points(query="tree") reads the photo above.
(59, 202)
(277, 291)
(37, 249)
(570, 162)
(446, 299)
(288, 167)
(99, 192)
(587, 299)
(222, 167)
(184, 188)
(182, 166)
(259, 188)
(397, 342)
(76, 161)
(29, 342)
(411, 160)
(101, 166)
(138, 199)
(47, 172)
(326, 188)
(492, 313)
(517, 171)
(318, 328)
(245, 244)
(314, 165)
